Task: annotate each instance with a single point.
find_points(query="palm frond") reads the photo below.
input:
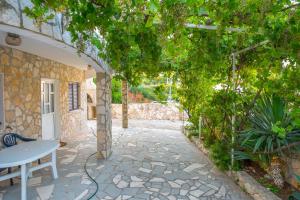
(240, 155)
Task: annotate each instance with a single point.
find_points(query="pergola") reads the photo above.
(233, 56)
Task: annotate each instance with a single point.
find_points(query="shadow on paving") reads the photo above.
(150, 160)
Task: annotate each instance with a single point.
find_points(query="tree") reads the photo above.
(138, 37)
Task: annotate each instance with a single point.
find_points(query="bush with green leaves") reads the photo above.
(151, 37)
(147, 92)
(116, 91)
(220, 154)
(208, 138)
(161, 93)
(191, 131)
(273, 131)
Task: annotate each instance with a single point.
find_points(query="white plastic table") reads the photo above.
(23, 155)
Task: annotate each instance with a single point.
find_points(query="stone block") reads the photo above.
(257, 191)
(4, 59)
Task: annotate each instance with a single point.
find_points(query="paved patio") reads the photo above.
(150, 160)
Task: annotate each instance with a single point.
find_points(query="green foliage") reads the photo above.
(295, 196)
(295, 115)
(208, 138)
(161, 92)
(147, 92)
(220, 154)
(147, 38)
(297, 177)
(273, 188)
(155, 89)
(151, 36)
(40, 14)
(271, 131)
(191, 131)
(116, 91)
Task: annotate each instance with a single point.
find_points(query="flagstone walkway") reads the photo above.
(150, 160)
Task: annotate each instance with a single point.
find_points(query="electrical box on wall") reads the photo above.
(1, 101)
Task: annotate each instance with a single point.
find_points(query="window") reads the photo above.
(74, 96)
(47, 97)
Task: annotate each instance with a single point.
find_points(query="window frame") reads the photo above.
(71, 96)
(50, 85)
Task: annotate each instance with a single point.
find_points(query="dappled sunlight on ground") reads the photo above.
(150, 160)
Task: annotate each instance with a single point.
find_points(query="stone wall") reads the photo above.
(103, 109)
(292, 168)
(155, 111)
(22, 92)
(91, 90)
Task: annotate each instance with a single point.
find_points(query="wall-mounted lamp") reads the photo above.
(13, 39)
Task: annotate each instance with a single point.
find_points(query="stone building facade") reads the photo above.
(23, 73)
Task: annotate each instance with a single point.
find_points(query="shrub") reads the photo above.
(220, 154)
(116, 91)
(208, 138)
(273, 135)
(192, 131)
(272, 130)
(149, 93)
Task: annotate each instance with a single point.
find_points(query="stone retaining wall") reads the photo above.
(291, 169)
(150, 111)
(242, 178)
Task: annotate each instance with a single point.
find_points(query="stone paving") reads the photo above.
(150, 160)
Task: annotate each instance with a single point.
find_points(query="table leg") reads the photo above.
(23, 182)
(29, 165)
(54, 169)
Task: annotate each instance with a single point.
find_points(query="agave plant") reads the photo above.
(273, 133)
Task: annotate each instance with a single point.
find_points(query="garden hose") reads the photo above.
(86, 172)
(89, 176)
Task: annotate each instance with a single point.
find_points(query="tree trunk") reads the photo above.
(124, 104)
